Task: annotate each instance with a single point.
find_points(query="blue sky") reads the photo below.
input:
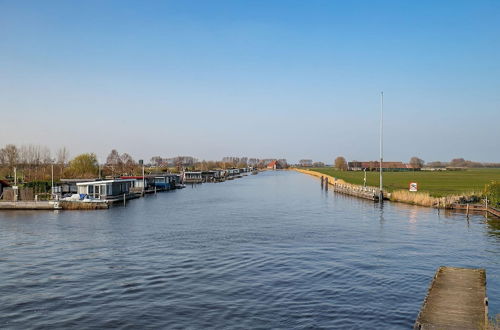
(291, 79)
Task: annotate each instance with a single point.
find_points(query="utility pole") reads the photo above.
(381, 143)
(143, 181)
(16, 189)
(52, 178)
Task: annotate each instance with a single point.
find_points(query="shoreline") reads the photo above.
(412, 198)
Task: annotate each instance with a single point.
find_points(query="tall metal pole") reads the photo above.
(52, 176)
(143, 181)
(381, 142)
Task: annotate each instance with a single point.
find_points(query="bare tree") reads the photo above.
(113, 158)
(416, 162)
(340, 163)
(46, 155)
(127, 163)
(62, 156)
(11, 155)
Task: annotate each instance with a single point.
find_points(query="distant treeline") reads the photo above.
(38, 163)
(460, 162)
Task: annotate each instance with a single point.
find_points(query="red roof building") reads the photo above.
(274, 165)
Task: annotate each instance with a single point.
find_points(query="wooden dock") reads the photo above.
(477, 208)
(456, 300)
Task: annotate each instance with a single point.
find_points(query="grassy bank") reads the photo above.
(436, 184)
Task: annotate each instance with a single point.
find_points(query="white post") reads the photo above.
(52, 174)
(143, 181)
(486, 213)
(364, 180)
(381, 141)
(16, 190)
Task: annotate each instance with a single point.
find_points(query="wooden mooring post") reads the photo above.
(456, 299)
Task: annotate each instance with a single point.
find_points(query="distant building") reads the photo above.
(306, 162)
(375, 165)
(273, 165)
(283, 163)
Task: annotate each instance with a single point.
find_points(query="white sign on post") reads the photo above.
(413, 186)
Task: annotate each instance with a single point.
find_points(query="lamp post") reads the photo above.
(381, 197)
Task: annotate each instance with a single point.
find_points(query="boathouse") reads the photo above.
(105, 189)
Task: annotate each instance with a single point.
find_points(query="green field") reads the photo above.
(438, 184)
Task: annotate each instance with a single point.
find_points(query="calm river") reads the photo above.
(266, 251)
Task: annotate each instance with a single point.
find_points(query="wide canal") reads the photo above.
(266, 251)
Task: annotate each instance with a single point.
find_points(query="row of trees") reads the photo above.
(341, 164)
(35, 163)
(31, 154)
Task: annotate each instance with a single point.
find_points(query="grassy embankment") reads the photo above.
(434, 187)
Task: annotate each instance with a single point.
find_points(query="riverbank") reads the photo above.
(435, 183)
(339, 185)
(105, 201)
(404, 196)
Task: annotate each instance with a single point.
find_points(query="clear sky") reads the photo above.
(291, 79)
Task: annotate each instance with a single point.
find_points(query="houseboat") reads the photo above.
(69, 187)
(109, 190)
(192, 177)
(209, 176)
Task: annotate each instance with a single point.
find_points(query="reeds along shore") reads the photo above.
(423, 199)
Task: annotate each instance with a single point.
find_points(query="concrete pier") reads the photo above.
(51, 205)
(456, 300)
(343, 187)
(29, 205)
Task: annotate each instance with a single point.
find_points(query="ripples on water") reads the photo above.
(265, 251)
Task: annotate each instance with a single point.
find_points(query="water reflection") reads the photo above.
(493, 226)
